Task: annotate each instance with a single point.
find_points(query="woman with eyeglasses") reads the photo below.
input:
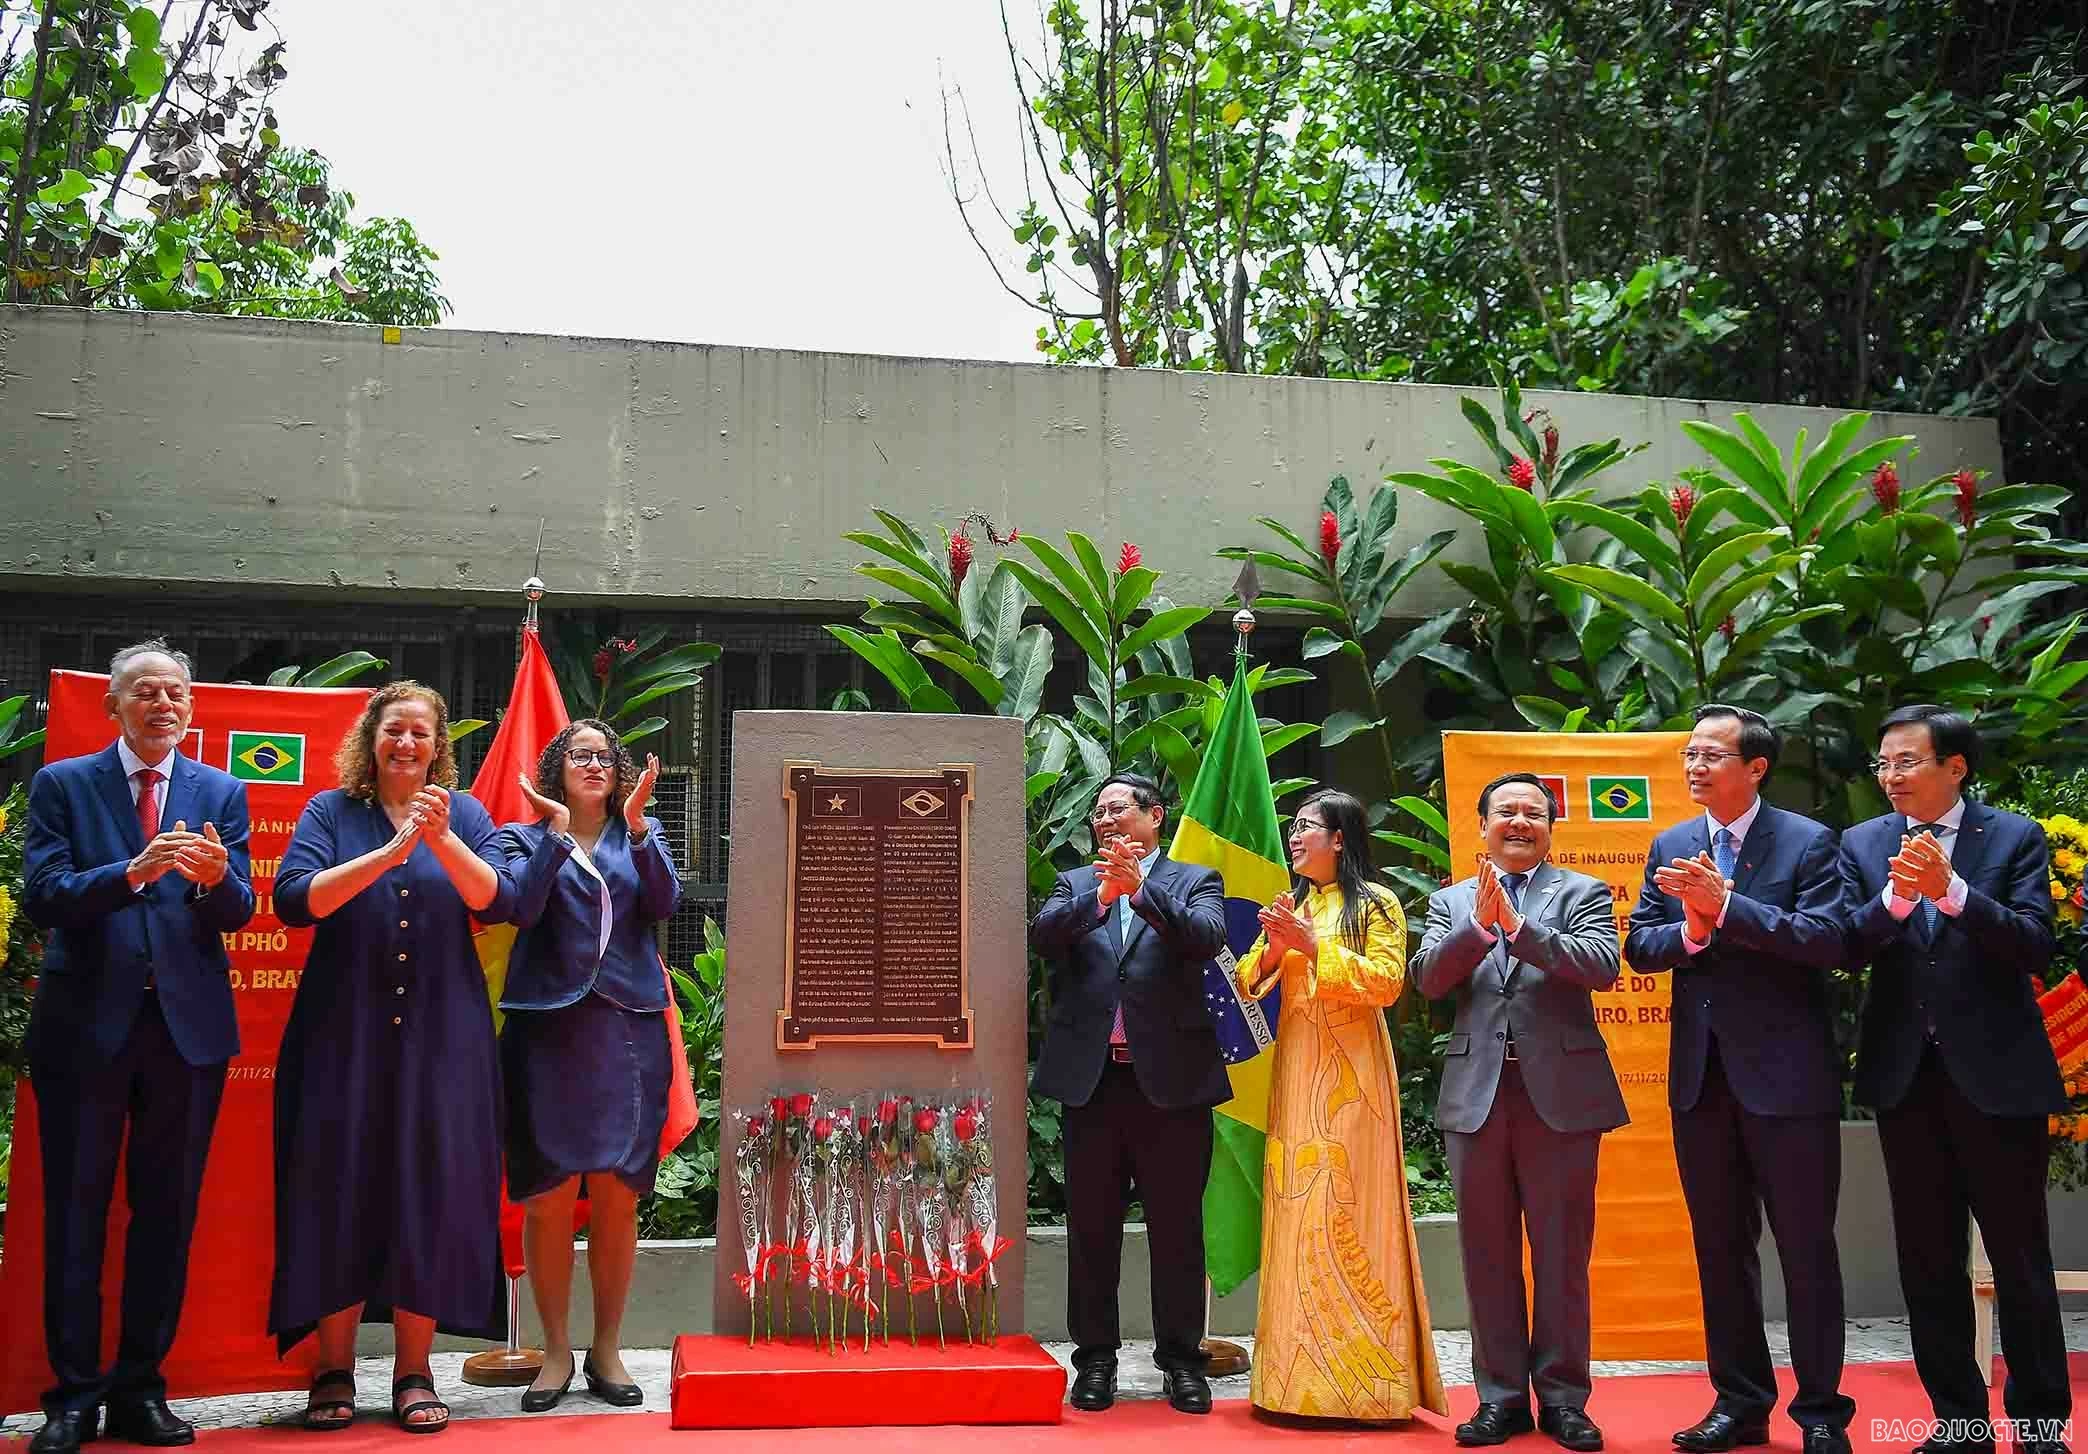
(584, 1051)
(387, 1091)
(1342, 1329)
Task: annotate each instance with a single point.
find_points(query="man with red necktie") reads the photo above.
(135, 864)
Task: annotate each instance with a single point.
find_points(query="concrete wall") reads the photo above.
(672, 1290)
(277, 458)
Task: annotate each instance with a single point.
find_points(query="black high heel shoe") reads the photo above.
(623, 1395)
(536, 1400)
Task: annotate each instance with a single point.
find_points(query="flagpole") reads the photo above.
(513, 1365)
(1225, 1358)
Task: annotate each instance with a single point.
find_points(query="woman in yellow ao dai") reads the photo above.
(1342, 1330)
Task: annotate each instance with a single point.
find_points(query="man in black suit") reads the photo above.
(1740, 901)
(1949, 902)
(136, 865)
(1132, 1054)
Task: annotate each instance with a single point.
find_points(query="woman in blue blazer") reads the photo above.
(584, 1054)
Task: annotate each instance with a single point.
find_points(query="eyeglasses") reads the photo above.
(582, 756)
(1112, 813)
(1708, 756)
(1304, 825)
(1886, 766)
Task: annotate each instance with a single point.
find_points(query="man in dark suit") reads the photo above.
(1527, 1093)
(1741, 903)
(1949, 903)
(133, 1023)
(1132, 1054)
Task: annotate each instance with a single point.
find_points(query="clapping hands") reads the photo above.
(641, 794)
(1121, 869)
(1286, 929)
(556, 814)
(198, 857)
(1492, 908)
(1702, 890)
(1920, 870)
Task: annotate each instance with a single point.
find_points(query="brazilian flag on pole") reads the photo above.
(1229, 823)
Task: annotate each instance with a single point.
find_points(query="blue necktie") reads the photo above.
(1514, 883)
(1722, 851)
(1929, 912)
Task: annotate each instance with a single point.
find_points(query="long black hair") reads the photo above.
(1353, 870)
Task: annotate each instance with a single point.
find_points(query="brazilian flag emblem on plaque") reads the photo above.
(266, 757)
(1619, 800)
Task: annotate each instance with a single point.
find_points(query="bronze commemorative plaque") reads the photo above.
(875, 906)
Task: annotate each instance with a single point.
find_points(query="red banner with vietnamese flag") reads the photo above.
(280, 741)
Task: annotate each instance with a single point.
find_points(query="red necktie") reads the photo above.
(148, 803)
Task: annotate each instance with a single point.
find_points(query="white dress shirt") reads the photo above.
(134, 764)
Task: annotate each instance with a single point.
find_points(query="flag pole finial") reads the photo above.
(533, 588)
(1245, 588)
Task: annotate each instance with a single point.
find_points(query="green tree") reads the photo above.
(1866, 204)
(144, 169)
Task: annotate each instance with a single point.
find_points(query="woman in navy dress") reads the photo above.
(387, 1109)
(584, 1052)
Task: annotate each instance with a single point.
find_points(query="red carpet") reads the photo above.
(1637, 1414)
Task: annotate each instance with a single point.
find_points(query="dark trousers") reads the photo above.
(82, 1107)
(1735, 1165)
(1945, 1161)
(1119, 1145)
(1516, 1174)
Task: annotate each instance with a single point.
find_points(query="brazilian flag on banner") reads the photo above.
(1229, 823)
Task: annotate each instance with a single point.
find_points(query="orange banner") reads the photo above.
(281, 741)
(2065, 1007)
(1615, 792)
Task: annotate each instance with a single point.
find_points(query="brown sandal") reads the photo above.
(325, 1415)
(404, 1412)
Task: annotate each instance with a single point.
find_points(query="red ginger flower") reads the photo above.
(960, 557)
(1967, 485)
(1885, 484)
(1129, 559)
(1682, 500)
(1522, 474)
(1551, 447)
(924, 1122)
(1727, 627)
(1330, 537)
(601, 664)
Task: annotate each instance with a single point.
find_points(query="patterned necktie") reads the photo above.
(1121, 912)
(1929, 912)
(148, 802)
(1722, 851)
(1514, 883)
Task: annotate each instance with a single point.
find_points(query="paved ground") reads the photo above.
(1875, 1341)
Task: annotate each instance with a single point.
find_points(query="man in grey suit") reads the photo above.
(1527, 1093)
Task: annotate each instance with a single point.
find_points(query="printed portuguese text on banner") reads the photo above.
(1615, 791)
(1229, 823)
(280, 742)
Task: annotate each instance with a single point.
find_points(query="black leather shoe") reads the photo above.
(623, 1395)
(1188, 1391)
(147, 1421)
(65, 1433)
(1716, 1432)
(536, 1400)
(1094, 1387)
(1570, 1428)
(1494, 1424)
(1826, 1439)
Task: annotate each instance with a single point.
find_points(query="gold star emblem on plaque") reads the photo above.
(837, 804)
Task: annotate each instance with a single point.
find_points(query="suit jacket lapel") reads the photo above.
(1754, 848)
(1538, 900)
(1968, 848)
(1137, 924)
(178, 804)
(115, 791)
